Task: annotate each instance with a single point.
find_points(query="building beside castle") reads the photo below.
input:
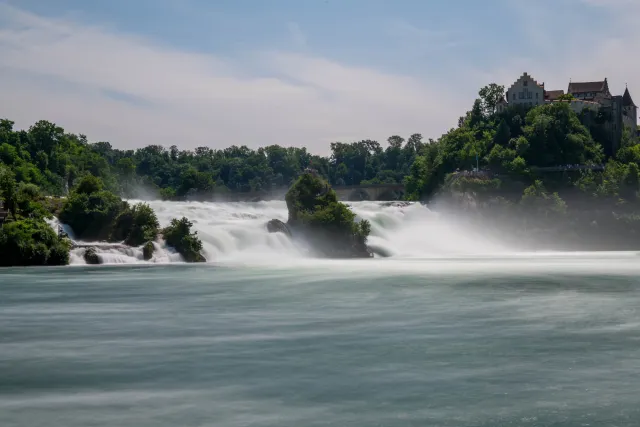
(620, 110)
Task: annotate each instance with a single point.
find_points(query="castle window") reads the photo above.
(525, 83)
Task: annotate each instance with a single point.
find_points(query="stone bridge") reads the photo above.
(353, 193)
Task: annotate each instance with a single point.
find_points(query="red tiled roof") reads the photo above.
(552, 95)
(582, 87)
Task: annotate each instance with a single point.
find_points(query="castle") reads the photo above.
(595, 96)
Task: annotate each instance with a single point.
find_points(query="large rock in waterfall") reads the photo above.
(328, 226)
(277, 226)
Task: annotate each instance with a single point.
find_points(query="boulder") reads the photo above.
(91, 256)
(277, 226)
(147, 251)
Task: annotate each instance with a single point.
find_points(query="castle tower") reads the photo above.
(629, 111)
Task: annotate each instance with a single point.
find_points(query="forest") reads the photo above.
(54, 160)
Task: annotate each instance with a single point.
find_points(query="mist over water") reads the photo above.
(236, 232)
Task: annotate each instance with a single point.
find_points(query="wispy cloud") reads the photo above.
(298, 37)
(133, 92)
(423, 38)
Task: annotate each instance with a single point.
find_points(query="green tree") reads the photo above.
(490, 95)
(31, 242)
(179, 236)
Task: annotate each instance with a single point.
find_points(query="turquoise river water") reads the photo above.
(260, 337)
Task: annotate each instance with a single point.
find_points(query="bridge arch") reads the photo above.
(359, 194)
(391, 194)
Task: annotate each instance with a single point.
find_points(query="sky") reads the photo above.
(294, 72)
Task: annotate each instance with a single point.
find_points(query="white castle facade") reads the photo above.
(594, 96)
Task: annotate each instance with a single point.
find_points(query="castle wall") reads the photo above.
(525, 91)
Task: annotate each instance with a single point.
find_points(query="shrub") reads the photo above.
(315, 210)
(136, 224)
(29, 201)
(91, 211)
(31, 242)
(179, 236)
(59, 253)
(89, 184)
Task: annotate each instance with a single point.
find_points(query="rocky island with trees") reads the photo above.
(544, 171)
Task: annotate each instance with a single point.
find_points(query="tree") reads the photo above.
(179, 236)
(536, 199)
(31, 242)
(136, 225)
(8, 189)
(329, 225)
(90, 211)
(503, 134)
(566, 97)
(490, 95)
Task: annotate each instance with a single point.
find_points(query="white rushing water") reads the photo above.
(236, 232)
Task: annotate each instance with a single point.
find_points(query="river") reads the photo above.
(449, 330)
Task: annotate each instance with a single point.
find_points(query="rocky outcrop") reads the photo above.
(321, 244)
(327, 226)
(277, 226)
(91, 256)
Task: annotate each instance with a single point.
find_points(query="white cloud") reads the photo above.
(133, 92)
(68, 72)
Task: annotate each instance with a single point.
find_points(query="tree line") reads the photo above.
(55, 160)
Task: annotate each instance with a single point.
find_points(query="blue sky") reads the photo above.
(294, 72)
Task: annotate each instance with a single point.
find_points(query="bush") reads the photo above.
(91, 211)
(59, 253)
(314, 210)
(31, 242)
(179, 236)
(136, 224)
(29, 201)
(89, 184)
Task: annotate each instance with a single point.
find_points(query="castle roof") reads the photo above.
(552, 95)
(582, 87)
(626, 99)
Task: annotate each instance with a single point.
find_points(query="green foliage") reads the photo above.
(136, 225)
(179, 236)
(566, 97)
(308, 195)
(31, 242)
(475, 185)
(89, 184)
(52, 159)
(314, 206)
(29, 201)
(490, 95)
(537, 199)
(90, 211)
(557, 137)
(8, 189)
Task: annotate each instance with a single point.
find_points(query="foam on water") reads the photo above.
(236, 233)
